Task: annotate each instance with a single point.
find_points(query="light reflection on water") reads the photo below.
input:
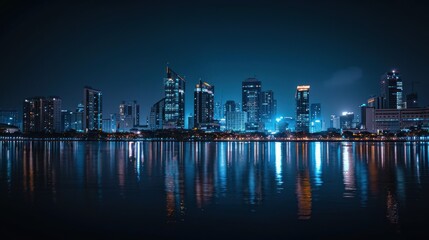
(204, 181)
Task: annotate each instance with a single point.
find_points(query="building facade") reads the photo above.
(93, 111)
(42, 114)
(315, 117)
(394, 120)
(302, 98)
(268, 110)
(156, 117)
(236, 121)
(251, 93)
(392, 90)
(203, 104)
(174, 103)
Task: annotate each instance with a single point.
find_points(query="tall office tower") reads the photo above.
(315, 118)
(391, 90)
(157, 115)
(346, 120)
(9, 117)
(129, 115)
(77, 118)
(230, 106)
(251, 93)
(375, 102)
(219, 112)
(42, 114)
(412, 100)
(93, 111)
(174, 109)
(302, 98)
(334, 122)
(66, 120)
(203, 104)
(268, 109)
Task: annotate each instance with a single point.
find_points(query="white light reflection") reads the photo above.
(348, 170)
(318, 164)
(278, 149)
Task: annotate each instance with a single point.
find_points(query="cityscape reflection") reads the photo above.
(181, 182)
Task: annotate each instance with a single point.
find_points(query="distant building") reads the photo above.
(174, 103)
(392, 90)
(346, 120)
(251, 93)
(315, 118)
(375, 102)
(334, 122)
(110, 124)
(236, 121)
(268, 110)
(157, 115)
(230, 106)
(285, 124)
(219, 112)
(77, 118)
(66, 120)
(302, 98)
(203, 104)
(129, 116)
(9, 117)
(191, 124)
(42, 114)
(394, 120)
(412, 100)
(93, 111)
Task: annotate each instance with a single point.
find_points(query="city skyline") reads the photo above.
(124, 49)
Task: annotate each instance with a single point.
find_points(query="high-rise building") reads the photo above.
(174, 108)
(375, 102)
(346, 120)
(302, 98)
(66, 120)
(251, 93)
(412, 100)
(129, 116)
(236, 121)
(219, 112)
(77, 118)
(391, 90)
(315, 118)
(203, 104)
(42, 114)
(334, 122)
(268, 109)
(93, 111)
(9, 117)
(230, 106)
(157, 115)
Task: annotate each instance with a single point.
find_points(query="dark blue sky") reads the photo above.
(340, 49)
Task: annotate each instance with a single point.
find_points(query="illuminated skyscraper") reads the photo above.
(391, 90)
(129, 116)
(302, 98)
(268, 109)
(42, 114)
(251, 93)
(157, 115)
(93, 111)
(315, 118)
(203, 104)
(174, 109)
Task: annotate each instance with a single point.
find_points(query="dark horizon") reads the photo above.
(122, 49)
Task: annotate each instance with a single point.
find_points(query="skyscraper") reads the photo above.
(203, 104)
(42, 114)
(315, 118)
(302, 98)
(391, 90)
(174, 109)
(268, 109)
(251, 93)
(157, 115)
(129, 115)
(93, 111)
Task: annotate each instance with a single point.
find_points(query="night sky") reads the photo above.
(340, 49)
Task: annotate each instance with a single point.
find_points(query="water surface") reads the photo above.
(211, 190)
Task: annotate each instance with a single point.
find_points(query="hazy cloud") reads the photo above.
(344, 77)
